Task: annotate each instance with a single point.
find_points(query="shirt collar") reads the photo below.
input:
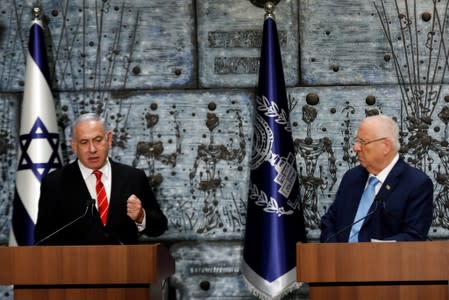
(86, 172)
(384, 173)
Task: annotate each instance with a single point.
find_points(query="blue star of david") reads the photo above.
(39, 131)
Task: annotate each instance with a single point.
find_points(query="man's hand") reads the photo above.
(134, 209)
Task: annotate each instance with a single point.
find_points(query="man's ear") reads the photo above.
(109, 137)
(389, 147)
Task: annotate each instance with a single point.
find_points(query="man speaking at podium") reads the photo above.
(382, 199)
(95, 200)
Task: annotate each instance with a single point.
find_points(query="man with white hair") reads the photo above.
(383, 198)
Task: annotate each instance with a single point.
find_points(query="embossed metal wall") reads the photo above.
(175, 79)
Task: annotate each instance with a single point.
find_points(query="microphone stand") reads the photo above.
(88, 205)
(355, 222)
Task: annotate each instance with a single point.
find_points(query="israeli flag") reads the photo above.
(39, 144)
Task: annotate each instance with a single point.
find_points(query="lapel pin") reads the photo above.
(388, 187)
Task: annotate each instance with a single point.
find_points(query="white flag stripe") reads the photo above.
(30, 194)
(36, 87)
(265, 289)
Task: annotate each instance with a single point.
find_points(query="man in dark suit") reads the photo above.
(130, 208)
(403, 203)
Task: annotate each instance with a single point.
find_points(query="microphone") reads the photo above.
(89, 204)
(376, 202)
(407, 225)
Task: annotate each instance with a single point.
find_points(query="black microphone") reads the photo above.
(407, 225)
(376, 202)
(89, 204)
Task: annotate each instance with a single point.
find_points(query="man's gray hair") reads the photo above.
(391, 126)
(89, 117)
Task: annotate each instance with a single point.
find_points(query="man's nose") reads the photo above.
(92, 147)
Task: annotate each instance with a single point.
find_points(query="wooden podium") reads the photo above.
(86, 272)
(397, 270)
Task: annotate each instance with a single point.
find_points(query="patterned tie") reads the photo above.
(102, 199)
(364, 205)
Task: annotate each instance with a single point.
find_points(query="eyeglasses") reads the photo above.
(364, 143)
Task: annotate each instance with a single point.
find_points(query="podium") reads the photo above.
(396, 270)
(86, 272)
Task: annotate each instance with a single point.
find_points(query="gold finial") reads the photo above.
(262, 3)
(267, 5)
(36, 11)
(269, 8)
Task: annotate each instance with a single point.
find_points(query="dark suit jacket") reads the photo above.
(402, 209)
(63, 198)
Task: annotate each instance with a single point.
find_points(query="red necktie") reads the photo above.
(102, 198)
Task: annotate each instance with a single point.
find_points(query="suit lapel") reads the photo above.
(356, 188)
(77, 185)
(116, 200)
(391, 181)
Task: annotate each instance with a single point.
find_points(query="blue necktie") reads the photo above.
(364, 205)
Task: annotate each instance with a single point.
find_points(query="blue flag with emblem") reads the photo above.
(39, 145)
(275, 222)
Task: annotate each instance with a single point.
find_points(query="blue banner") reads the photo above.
(275, 222)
